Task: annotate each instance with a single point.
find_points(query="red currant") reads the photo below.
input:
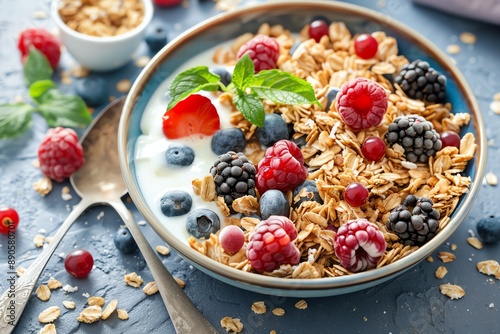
(373, 148)
(231, 238)
(318, 29)
(356, 194)
(9, 219)
(79, 263)
(450, 138)
(365, 46)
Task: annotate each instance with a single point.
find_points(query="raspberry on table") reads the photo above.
(271, 244)
(359, 245)
(263, 50)
(361, 103)
(43, 41)
(282, 167)
(60, 154)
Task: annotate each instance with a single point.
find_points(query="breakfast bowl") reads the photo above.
(453, 182)
(101, 38)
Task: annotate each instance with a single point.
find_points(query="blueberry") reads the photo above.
(294, 47)
(156, 38)
(179, 155)
(274, 203)
(274, 129)
(124, 241)
(202, 222)
(225, 140)
(307, 191)
(489, 229)
(331, 95)
(175, 203)
(225, 76)
(92, 90)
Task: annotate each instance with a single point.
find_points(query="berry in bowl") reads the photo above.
(290, 159)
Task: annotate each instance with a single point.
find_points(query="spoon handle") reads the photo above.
(15, 298)
(185, 317)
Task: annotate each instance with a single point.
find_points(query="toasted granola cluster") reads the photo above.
(333, 156)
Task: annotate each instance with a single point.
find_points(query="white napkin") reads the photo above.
(484, 10)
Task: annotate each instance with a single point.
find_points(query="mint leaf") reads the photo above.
(38, 88)
(37, 67)
(251, 108)
(192, 81)
(282, 87)
(243, 72)
(59, 109)
(15, 118)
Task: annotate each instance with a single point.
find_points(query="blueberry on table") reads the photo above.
(307, 191)
(175, 203)
(200, 223)
(273, 203)
(179, 155)
(226, 140)
(92, 90)
(489, 229)
(156, 38)
(274, 129)
(124, 241)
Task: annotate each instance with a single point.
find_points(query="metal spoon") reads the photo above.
(100, 181)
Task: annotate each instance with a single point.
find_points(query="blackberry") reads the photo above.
(415, 221)
(234, 177)
(421, 82)
(416, 135)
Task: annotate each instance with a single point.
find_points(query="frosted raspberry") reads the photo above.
(361, 103)
(43, 41)
(60, 154)
(263, 50)
(271, 244)
(359, 245)
(282, 167)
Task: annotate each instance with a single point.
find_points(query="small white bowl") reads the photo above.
(102, 53)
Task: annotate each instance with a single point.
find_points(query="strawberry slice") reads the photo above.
(194, 115)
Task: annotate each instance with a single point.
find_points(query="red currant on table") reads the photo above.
(373, 148)
(79, 263)
(365, 46)
(356, 194)
(9, 219)
(318, 29)
(450, 138)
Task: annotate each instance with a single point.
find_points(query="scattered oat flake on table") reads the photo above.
(95, 300)
(122, 314)
(40, 15)
(150, 289)
(123, 86)
(49, 315)
(231, 324)
(48, 329)
(491, 179)
(301, 304)
(278, 311)
(489, 267)
(475, 242)
(142, 61)
(133, 280)
(453, 49)
(495, 106)
(53, 284)
(273, 332)
(39, 240)
(259, 307)
(65, 193)
(452, 291)
(453, 247)
(20, 271)
(43, 293)
(446, 257)
(496, 97)
(80, 71)
(90, 314)
(180, 282)
(110, 308)
(441, 271)
(43, 186)
(69, 304)
(468, 38)
(163, 250)
(430, 259)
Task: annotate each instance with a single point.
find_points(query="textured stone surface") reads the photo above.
(410, 303)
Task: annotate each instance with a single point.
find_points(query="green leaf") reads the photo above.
(15, 118)
(192, 81)
(59, 109)
(38, 88)
(283, 87)
(37, 67)
(243, 72)
(251, 107)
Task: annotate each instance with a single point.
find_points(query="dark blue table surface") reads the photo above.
(411, 303)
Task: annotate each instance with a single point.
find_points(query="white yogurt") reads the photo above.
(154, 176)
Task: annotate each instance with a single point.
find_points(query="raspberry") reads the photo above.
(361, 103)
(60, 154)
(359, 245)
(43, 41)
(282, 167)
(263, 50)
(271, 244)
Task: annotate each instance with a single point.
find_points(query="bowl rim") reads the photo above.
(328, 285)
(148, 16)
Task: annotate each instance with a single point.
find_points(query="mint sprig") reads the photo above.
(247, 88)
(58, 108)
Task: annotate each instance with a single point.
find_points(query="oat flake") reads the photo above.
(452, 291)
(475, 242)
(279, 312)
(259, 307)
(495, 106)
(468, 38)
(453, 49)
(231, 324)
(491, 179)
(48, 329)
(123, 86)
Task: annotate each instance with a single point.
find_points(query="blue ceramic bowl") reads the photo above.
(293, 16)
